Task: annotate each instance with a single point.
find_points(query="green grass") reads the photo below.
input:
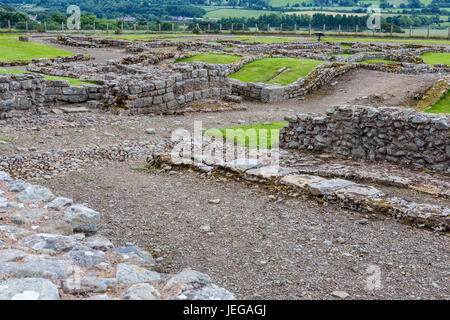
(243, 133)
(362, 39)
(432, 58)
(442, 106)
(212, 58)
(378, 61)
(73, 82)
(264, 40)
(236, 13)
(344, 55)
(5, 139)
(11, 49)
(265, 69)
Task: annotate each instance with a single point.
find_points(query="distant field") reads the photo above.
(265, 70)
(283, 3)
(432, 58)
(442, 106)
(212, 58)
(11, 49)
(362, 39)
(326, 12)
(236, 13)
(73, 82)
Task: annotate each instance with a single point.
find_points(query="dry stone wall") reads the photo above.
(392, 134)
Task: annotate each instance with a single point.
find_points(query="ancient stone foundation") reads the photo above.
(392, 134)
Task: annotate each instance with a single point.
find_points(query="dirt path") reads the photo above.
(258, 248)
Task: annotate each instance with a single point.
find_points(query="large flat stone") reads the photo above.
(81, 218)
(300, 180)
(14, 233)
(86, 257)
(35, 193)
(86, 285)
(359, 192)
(328, 187)
(28, 289)
(74, 109)
(42, 268)
(27, 215)
(243, 164)
(141, 291)
(208, 292)
(128, 273)
(134, 255)
(49, 242)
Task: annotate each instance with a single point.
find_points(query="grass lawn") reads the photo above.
(343, 55)
(442, 106)
(212, 58)
(73, 82)
(264, 40)
(264, 70)
(378, 61)
(241, 136)
(11, 49)
(362, 39)
(432, 58)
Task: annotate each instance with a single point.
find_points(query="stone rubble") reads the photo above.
(72, 262)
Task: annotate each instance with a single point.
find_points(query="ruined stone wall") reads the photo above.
(189, 83)
(388, 133)
(27, 93)
(20, 93)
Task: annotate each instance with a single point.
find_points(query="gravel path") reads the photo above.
(257, 247)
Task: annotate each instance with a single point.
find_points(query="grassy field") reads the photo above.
(385, 40)
(310, 12)
(11, 49)
(264, 39)
(443, 106)
(241, 137)
(343, 55)
(236, 13)
(212, 58)
(283, 3)
(73, 82)
(265, 70)
(432, 58)
(378, 60)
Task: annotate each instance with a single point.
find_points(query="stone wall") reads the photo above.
(392, 134)
(20, 93)
(28, 93)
